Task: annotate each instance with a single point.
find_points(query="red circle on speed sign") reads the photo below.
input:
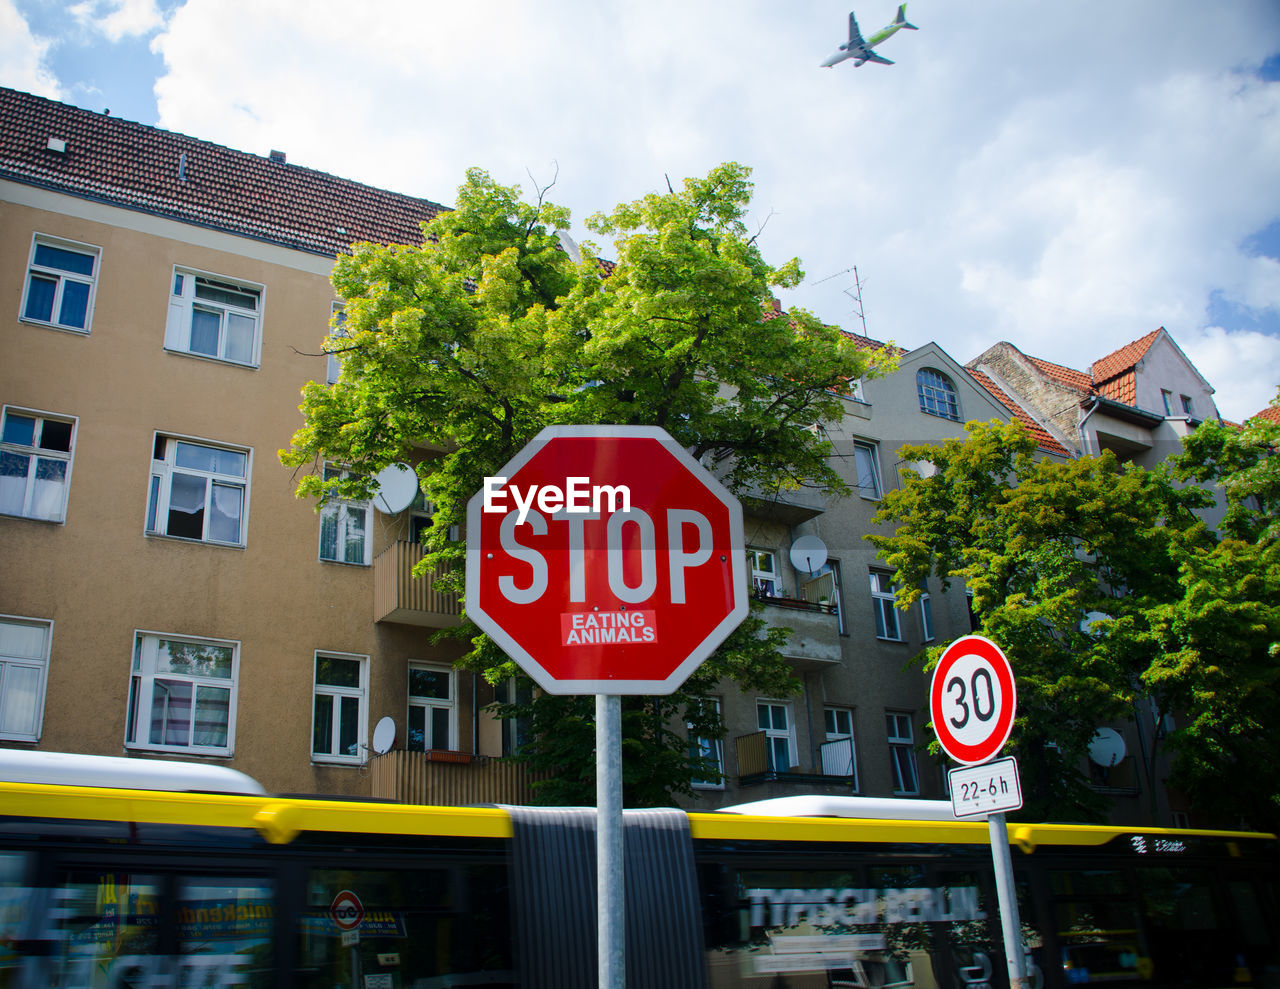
(347, 911)
(594, 592)
(973, 700)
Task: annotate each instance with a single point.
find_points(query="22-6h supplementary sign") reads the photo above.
(972, 700)
(605, 560)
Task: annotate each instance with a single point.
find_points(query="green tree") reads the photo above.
(474, 341)
(1217, 644)
(1063, 559)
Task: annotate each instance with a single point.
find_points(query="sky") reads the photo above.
(1065, 176)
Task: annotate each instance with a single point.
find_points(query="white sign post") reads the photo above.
(973, 700)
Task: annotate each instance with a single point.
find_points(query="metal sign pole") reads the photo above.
(1007, 894)
(610, 880)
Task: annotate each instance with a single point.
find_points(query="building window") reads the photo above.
(764, 573)
(1167, 396)
(867, 461)
(432, 720)
(1186, 404)
(35, 465)
(709, 749)
(824, 588)
(337, 333)
(838, 757)
(902, 753)
(882, 601)
(937, 394)
(198, 491)
(344, 527)
(214, 317)
(24, 662)
(61, 279)
(340, 716)
(774, 720)
(182, 695)
(926, 612)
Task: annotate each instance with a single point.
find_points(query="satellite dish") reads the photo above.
(1107, 748)
(384, 735)
(808, 553)
(396, 486)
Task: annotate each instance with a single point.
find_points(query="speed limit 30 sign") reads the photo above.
(972, 700)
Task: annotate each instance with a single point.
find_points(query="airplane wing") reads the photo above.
(855, 36)
(871, 56)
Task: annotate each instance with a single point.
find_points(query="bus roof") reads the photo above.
(868, 808)
(71, 769)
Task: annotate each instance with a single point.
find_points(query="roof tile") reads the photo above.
(1044, 440)
(193, 181)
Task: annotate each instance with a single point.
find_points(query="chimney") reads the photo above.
(277, 156)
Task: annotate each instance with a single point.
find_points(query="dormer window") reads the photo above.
(937, 394)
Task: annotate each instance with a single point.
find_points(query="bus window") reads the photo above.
(406, 926)
(891, 926)
(1189, 940)
(1096, 919)
(225, 931)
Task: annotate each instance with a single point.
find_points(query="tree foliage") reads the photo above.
(471, 343)
(1108, 591)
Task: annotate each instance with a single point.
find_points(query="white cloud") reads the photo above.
(22, 55)
(1243, 366)
(118, 19)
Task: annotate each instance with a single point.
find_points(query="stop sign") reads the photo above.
(605, 560)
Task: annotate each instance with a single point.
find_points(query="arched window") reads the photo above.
(937, 394)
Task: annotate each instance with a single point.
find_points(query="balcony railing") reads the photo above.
(448, 779)
(815, 630)
(836, 768)
(399, 596)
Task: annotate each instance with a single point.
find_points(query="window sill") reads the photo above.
(343, 563)
(26, 321)
(885, 638)
(193, 542)
(211, 359)
(336, 762)
(34, 518)
(186, 753)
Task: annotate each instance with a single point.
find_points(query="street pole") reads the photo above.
(1007, 895)
(610, 880)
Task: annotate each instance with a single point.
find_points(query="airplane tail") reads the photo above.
(901, 19)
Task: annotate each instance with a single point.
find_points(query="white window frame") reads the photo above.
(35, 453)
(184, 302)
(926, 612)
(775, 736)
(938, 395)
(765, 579)
(866, 465)
(833, 731)
(711, 749)
(165, 468)
(429, 704)
(63, 277)
(902, 753)
(145, 672)
(342, 515)
(337, 331)
(882, 602)
(33, 660)
(337, 694)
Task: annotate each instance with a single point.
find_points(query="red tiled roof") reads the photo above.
(1044, 440)
(156, 171)
(867, 343)
(1123, 360)
(1271, 413)
(1068, 376)
(1121, 388)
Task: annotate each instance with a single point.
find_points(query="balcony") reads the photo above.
(815, 631)
(833, 776)
(399, 596)
(448, 779)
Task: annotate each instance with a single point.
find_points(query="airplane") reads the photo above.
(857, 48)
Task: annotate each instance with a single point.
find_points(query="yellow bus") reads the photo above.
(122, 874)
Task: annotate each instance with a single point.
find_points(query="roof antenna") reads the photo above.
(856, 296)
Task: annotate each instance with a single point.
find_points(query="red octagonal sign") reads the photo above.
(606, 560)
